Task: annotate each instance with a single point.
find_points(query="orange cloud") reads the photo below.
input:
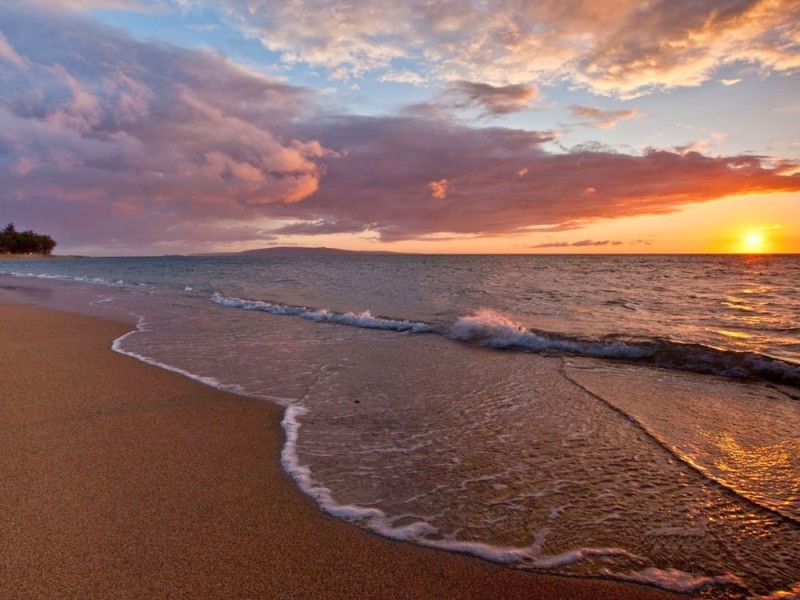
(439, 188)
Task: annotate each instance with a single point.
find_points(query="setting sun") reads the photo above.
(754, 242)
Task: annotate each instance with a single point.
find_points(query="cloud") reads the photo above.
(8, 54)
(321, 227)
(682, 43)
(385, 166)
(129, 144)
(439, 188)
(404, 76)
(579, 244)
(601, 119)
(623, 48)
(97, 119)
(490, 100)
(481, 98)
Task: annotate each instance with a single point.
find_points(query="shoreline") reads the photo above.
(38, 256)
(126, 480)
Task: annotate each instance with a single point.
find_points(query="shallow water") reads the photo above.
(530, 420)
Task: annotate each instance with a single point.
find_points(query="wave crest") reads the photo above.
(490, 328)
(494, 330)
(363, 319)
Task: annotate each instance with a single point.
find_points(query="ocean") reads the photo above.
(628, 417)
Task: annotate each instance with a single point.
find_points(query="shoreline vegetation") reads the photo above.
(25, 242)
(125, 480)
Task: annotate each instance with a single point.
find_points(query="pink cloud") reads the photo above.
(602, 119)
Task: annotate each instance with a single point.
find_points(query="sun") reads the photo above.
(753, 242)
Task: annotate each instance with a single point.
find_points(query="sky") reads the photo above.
(148, 127)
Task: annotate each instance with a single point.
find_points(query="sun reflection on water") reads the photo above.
(752, 470)
(735, 334)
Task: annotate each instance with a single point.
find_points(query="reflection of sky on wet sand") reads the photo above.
(743, 435)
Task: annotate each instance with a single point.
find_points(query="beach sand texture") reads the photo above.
(121, 480)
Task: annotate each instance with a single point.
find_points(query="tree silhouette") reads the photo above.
(24, 242)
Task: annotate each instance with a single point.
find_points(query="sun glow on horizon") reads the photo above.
(754, 241)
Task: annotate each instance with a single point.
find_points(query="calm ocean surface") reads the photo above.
(632, 417)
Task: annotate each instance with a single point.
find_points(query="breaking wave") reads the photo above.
(492, 329)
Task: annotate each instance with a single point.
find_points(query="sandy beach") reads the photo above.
(125, 480)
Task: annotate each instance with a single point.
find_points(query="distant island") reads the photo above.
(306, 251)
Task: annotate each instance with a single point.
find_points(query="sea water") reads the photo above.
(630, 417)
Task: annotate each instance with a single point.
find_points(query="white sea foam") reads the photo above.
(676, 580)
(363, 319)
(370, 518)
(116, 346)
(490, 328)
(76, 278)
(421, 531)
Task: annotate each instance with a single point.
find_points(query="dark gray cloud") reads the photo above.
(321, 227)
(488, 99)
(480, 98)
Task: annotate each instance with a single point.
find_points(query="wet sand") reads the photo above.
(123, 480)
